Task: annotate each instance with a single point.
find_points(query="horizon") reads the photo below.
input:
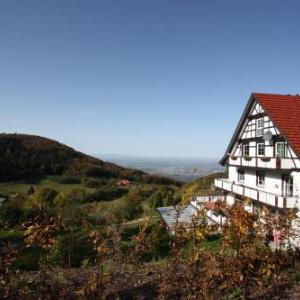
(164, 79)
(141, 156)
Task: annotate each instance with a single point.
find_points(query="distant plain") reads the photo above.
(182, 169)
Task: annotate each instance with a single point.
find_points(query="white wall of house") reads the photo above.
(233, 173)
(296, 178)
(273, 180)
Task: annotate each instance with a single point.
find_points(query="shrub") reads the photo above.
(30, 191)
(29, 259)
(66, 179)
(73, 197)
(155, 200)
(70, 249)
(132, 205)
(43, 199)
(93, 183)
(11, 213)
(107, 194)
(161, 240)
(58, 252)
(164, 197)
(129, 232)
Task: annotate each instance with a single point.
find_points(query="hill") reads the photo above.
(25, 156)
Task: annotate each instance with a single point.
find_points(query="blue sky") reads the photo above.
(158, 78)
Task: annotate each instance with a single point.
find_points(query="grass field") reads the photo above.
(21, 188)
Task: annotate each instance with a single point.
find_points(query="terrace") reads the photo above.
(276, 200)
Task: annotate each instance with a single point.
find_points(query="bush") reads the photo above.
(161, 240)
(129, 232)
(43, 199)
(73, 197)
(164, 197)
(93, 183)
(69, 248)
(30, 191)
(66, 179)
(155, 200)
(29, 259)
(132, 205)
(107, 194)
(11, 213)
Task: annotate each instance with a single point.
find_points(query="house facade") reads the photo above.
(263, 156)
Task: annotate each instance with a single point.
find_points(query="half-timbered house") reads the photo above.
(263, 156)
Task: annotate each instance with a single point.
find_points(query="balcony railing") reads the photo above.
(198, 200)
(255, 194)
(262, 162)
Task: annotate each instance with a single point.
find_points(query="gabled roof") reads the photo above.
(283, 110)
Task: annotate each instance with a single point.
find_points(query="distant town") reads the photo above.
(182, 169)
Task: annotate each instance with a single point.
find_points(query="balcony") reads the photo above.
(197, 201)
(262, 162)
(275, 200)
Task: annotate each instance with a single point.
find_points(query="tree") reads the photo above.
(31, 191)
(132, 204)
(43, 199)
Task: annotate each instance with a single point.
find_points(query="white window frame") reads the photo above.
(260, 127)
(257, 150)
(289, 185)
(284, 149)
(241, 175)
(260, 182)
(244, 146)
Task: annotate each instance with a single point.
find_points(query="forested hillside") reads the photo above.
(24, 156)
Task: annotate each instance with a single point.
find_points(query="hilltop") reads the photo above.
(24, 156)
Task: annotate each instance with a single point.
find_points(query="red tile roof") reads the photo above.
(284, 110)
(123, 182)
(210, 205)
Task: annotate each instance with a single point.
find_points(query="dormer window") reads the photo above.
(260, 127)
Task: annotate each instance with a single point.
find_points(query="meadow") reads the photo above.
(90, 238)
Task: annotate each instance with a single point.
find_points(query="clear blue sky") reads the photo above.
(163, 78)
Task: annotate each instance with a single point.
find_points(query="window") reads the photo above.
(260, 127)
(246, 150)
(288, 185)
(241, 175)
(260, 178)
(260, 149)
(280, 149)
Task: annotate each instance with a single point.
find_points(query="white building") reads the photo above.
(263, 156)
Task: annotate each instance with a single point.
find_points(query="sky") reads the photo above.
(165, 78)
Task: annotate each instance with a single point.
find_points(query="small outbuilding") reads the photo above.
(123, 182)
